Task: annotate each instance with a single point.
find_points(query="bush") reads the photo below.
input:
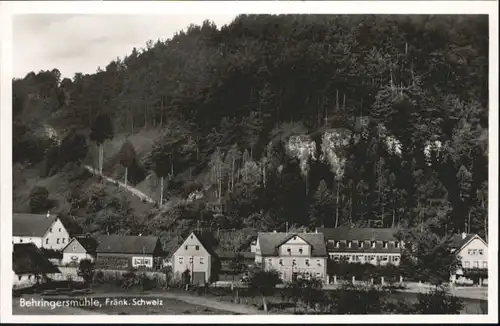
(438, 301)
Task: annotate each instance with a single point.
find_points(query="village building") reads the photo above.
(292, 255)
(472, 252)
(44, 230)
(78, 249)
(363, 245)
(30, 266)
(128, 251)
(196, 255)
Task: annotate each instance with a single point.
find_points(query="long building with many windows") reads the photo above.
(363, 245)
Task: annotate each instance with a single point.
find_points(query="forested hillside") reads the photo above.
(314, 120)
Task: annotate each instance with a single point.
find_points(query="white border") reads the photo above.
(7, 9)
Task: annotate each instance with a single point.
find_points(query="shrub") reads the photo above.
(438, 301)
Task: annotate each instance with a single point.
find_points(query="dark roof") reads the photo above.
(458, 241)
(88, 243)
(270, 241)
(31, 225)
(126, 244)
(365, 234)
(27, 258)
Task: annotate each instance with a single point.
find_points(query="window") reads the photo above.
(397, 244)
(47, 241)
(186, 247)
(181, 260)
(57, 240)
(349, 244)
(74, 247)
(270, 261)
(294, 262)
(59, 229)
(281, 261)
(485, 264)
(467, 264)
(476, 264)
(336, 257)
(201, 260)
(191, 236)
(361, 244)
(50, 230)
(63, 240)
(289, 250)
(318, 261)
(190, 260)
(395, 258)
(373, 244)
(481, 252)
(197, 247)
(385, 258)
(300, 251)
(307, 262)
(386, 244)
(19, 277)
(318, 275)
(337, 244)
(21, 240)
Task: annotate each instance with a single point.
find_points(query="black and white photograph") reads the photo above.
(249, 163)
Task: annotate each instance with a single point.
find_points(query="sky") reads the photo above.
(81, 43)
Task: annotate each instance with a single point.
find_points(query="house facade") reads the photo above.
(126, 251)
(472, 252)
(292, 254)
(196, 255)
(78, 249)
(363, 245)
(45, 231)
(29, 266)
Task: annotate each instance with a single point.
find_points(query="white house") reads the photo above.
(78, 249)
(472, 251)
(196, 255)
(45, 231)
(292, 254)
(29, 266)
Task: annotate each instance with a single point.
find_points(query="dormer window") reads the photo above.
(386, 244)
(349, 244)
(373, 244)
(397, 244)
(337, 244)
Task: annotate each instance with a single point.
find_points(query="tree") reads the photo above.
(427, 257)
(127, 157)
(438, 302)
(39, 200)
(238, 266)
(160, 158)
(320, 210)
(264, 282)
(86, 270)
(101, 130)
(308, 290)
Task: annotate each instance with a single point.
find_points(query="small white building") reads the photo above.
(472, 251)
(44, 230)
(78, 249)
(29, 266)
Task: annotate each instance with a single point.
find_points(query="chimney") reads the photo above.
(316, 231)
(48, 213)
(464, 235)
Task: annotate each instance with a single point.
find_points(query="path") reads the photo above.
(134, 191)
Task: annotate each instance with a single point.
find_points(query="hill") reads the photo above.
(308, 120)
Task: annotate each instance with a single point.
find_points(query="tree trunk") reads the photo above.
(101, 157)
(468, 220)
(161, 191)
(393, 217)
(126, 176)
(337, 204)
(264, 303)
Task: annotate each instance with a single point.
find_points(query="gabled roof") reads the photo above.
(458, 241)
(28, 259)
(206, 239)
(269, 242)
(360, 234)
(88, 243)
(31, 225)
(126, 244)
